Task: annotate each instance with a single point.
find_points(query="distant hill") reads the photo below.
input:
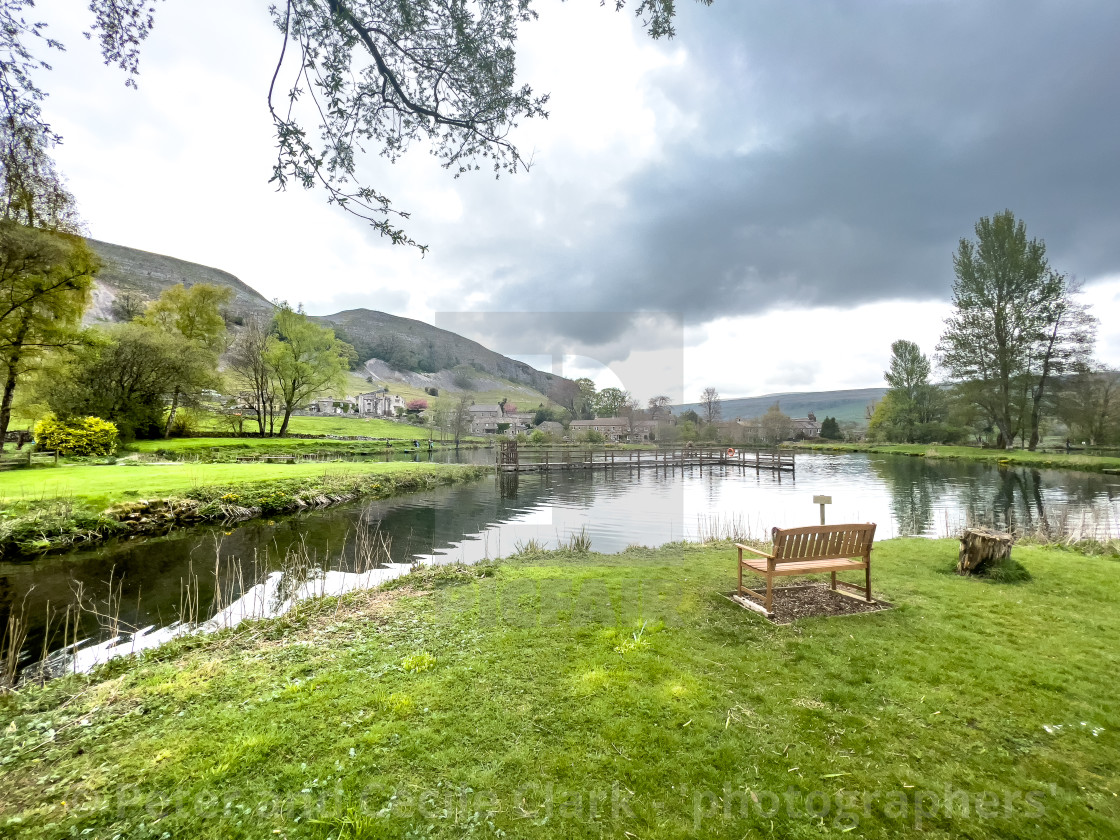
(147, 275)
(393, 349)
(850, 405)
(402, 346)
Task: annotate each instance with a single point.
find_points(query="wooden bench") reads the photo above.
(812, 550)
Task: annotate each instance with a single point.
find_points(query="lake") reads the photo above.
(153, 583)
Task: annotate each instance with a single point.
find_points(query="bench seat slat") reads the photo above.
(798, 567)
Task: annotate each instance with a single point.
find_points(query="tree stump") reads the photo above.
(979, 548)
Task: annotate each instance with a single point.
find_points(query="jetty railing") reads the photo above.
(514, 458)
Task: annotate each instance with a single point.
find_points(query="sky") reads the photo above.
(761, 204)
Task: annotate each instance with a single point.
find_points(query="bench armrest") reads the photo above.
(753, 550)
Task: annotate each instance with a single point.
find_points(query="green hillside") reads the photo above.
(406, 355)
(845, 406)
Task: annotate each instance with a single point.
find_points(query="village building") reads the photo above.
(551, 427)
(372, 404)
(485, 418)
(617, 429)
(333, 405)
(380, 404)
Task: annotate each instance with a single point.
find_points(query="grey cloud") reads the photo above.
(886, 130)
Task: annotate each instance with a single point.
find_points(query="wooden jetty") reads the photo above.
(516, 459)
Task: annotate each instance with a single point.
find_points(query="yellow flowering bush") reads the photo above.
(79, 436)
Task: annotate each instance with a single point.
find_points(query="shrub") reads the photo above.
(79, 436)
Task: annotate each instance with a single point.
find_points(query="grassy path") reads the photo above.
(603, 696)
(1014, 457)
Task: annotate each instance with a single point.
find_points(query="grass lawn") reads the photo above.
(105, 485)
(562, 696)
(334, 424)
(203, 445)
(1015, 457)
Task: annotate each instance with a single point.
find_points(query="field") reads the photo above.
(568, 695)
(106, 485)
(1014, 457)
(336, 424)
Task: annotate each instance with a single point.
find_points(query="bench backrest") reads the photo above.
(823, 542)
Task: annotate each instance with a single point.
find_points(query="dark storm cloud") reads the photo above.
(843, 150)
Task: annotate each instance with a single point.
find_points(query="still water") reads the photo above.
(151, 584)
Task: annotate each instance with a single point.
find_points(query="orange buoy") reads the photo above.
(730, 453)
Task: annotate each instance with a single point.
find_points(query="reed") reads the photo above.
(11, 644)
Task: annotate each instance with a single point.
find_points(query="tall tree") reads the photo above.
(911, 403)
(305, 359)
(611, 401)
(1015, 327)
(711, 405)
(45, 281)
(195, 315)
(249, 360)
(366, 72)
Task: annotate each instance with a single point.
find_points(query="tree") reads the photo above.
(658, 406)
(611, 401)
(690, 416)
(1089, 405)
(775, 426)
(304, 360)
(195, 315)
(1016, 326)
(583, 404)
(128, 306)
(45, 281)
(911, 404)
(711, 405)
(249, 360)
(125, 375)
(459, 415)
(830, 429)
(368, 73)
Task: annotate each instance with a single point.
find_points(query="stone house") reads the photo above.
(380, 404)
(617, 429)
(485, 418)
(333, 405)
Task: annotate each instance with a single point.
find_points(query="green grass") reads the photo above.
(333, 424)
(109, 484)
(603, 696)
(251, 446)
(1014, 457)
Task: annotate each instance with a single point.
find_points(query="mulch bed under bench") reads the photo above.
(806, 600)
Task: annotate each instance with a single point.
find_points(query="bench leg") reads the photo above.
(740, 579)
(867, 573)
(834, 581)
(770, 595)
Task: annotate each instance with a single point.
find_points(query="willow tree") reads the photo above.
(1017, 327)
(195, 315)
(45, 281)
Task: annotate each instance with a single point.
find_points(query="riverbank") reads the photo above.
(1009, 457)
(57, 508)
(578, 695)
